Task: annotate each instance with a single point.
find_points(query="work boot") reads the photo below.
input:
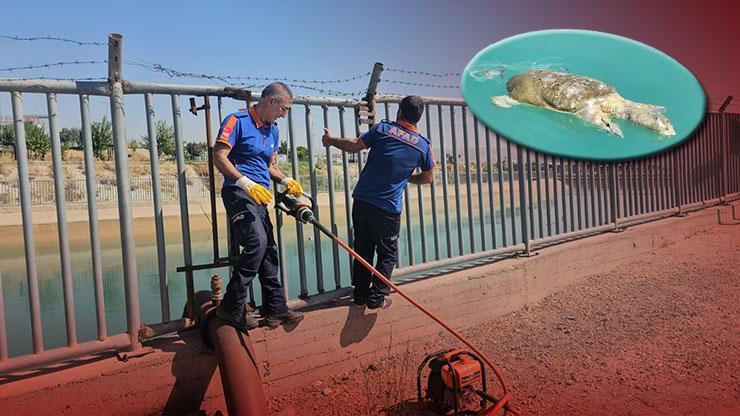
(384, 305)
(243, 323)
(288, 317)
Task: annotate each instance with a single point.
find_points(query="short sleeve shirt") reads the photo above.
(396, 150)
(252, 145)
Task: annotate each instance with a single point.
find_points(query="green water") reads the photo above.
(637, 71)
(15, 287)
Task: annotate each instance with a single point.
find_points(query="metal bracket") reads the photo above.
(365, 109)
(194, 108)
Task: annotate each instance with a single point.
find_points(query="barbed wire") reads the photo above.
(430, 74)
(174, 73)
(419, 84)
(52, 38)
(49, 65)
(59, 79)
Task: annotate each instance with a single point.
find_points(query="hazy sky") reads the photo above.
(328, 40)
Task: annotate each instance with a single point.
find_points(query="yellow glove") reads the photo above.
(292, 186)
(257, 192)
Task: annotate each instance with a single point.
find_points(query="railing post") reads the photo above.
(522, 201)
(130, 276)
(613, 193)
(725, 141)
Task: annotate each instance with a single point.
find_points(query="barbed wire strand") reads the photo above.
(431, 74)
(49, 65)
(59, 79)
(182, 74)
(418, 84)
(52, 38)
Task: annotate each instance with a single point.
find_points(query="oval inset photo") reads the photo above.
(583, 94)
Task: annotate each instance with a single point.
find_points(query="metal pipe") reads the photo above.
(603, 173)
(92, 212)
(512, 204)
(61, 208)
(651, 181)
(571, 210)
(420, 196)
(632, 183)
(139, 87)
(392, 98)
(491, 204)
(433, 190)
(548, 160)
(643, 187)
(623, 168)
(123, 185)
(347, 199)
(53, 85)
(158, 213)
(479, 180)
(332, 209)
(501, 190)
(314, 192)
(530, 198)
(409, 227)
(557, 172)
(468, 187)
(613, 192)
(182, 186)
(298, 224)
(281, 246)
(522, 202)
(456, 176)
(25, 362)
(211, 178)
(445, 193)
(237, 362)
(3, 332)
(21, 155)
(539, 194)
(592, 193)
(579, 195)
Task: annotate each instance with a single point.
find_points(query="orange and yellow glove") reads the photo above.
(292, 186)
(257, 192)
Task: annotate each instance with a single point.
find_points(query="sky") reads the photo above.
(331, 40)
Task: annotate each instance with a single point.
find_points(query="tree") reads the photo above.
(37, 141)
(7, 137)
(165, 136)
(302, 153)
(133, 145)
(102, 136)
(194, 150)
(70, 137)
(283, 149)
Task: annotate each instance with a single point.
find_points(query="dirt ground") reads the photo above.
(658, 336)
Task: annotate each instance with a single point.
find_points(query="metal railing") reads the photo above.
(42, 191)
(491, 198)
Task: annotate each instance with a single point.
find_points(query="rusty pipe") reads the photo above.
(237, 362)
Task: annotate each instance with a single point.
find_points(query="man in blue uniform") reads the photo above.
(245, 152)
(396, 150)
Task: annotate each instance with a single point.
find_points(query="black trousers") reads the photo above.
(251, 225)
(375, 231)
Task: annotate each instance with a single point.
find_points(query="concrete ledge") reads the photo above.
(181, 375)
(338, 338)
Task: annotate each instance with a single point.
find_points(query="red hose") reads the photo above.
(503, 402)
